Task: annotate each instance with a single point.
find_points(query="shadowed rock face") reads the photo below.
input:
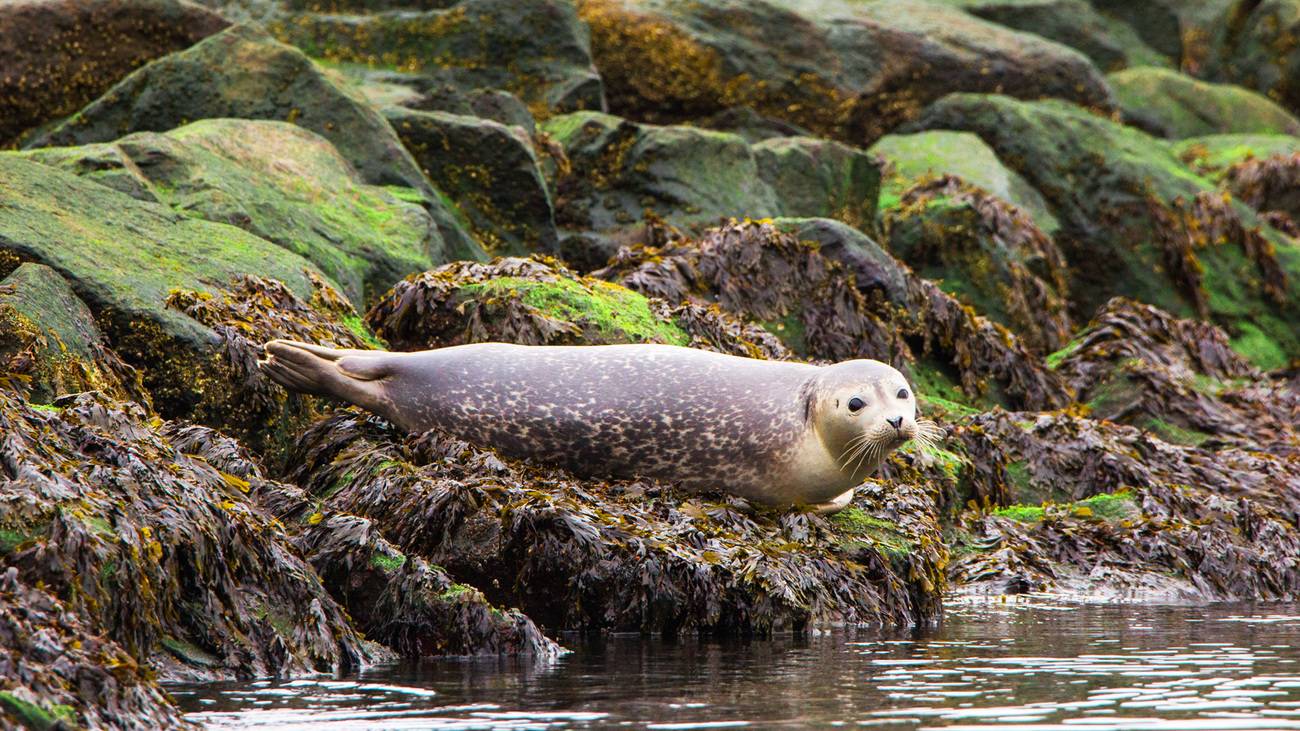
(57, 55)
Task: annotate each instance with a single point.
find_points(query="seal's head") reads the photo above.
(863, 410)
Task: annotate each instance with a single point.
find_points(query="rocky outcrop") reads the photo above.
(1168, 104)
(847, 72)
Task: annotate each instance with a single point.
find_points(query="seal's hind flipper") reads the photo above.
(318, 371)
(364, 367)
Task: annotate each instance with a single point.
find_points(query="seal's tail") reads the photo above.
(314, 370)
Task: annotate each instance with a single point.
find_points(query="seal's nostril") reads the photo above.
(896, 422)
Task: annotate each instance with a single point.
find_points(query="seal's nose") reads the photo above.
(896, 422)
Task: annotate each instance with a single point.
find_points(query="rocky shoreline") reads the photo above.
(1071, 224)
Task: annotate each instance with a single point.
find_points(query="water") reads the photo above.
(1036, 664)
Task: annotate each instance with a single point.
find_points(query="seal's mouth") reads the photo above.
(871, 448)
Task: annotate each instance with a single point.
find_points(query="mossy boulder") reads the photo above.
(1136, 222)
(815, 178)
(493, 104)
(158, 283)
(536, 49)
(1169, 104)
(244, 73)
(850, 72)
(618, 170)
(490, 172)
(987, 254)
(912, 158)
(1254, 46)
(1075, 23)
(50, 344)
(1211, 155)
(276, 180)
(55, 56)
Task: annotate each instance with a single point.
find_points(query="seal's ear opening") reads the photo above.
(364, 368)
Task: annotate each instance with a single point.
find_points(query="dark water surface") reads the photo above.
(1034, 664)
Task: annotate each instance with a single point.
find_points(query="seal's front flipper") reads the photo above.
(835, 505)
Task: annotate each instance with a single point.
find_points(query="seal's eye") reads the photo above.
(856, 404)
(902, 393)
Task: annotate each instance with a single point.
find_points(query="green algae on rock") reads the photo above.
(1169, 104)
(815, 178)
(624, 556)
(1213, 525)
(49, 339)
(1134, 221)
(242, 72)
(490, 172)
(918, 157)
(278, 181)
(618, 170)
(987, 254)
(57, 56)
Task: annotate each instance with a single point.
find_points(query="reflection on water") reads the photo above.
(1027, 666)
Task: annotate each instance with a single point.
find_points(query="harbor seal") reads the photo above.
(771, 432)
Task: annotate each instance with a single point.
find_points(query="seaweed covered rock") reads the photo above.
(1221, 524)
(536, 49)
(540, 302)
(850, 72)
(401, 601)
(755, 272)
(1210, 155)
(489, 170)
(1180, 379)
(244, 73)
(1136, 223)
(50, 344)
(815, 178)
(986, 253)
(278, 181)
(59, 672)
(57, 56)
(142, 268)
(625, 556)
(617, 170)
(1169, 104)
(873, 269)
(157, 549)
(917, 158)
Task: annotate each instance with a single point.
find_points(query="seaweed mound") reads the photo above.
(159, 550)
(1225, 525)
(755, 272)
(539, 301)
(619, 555)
